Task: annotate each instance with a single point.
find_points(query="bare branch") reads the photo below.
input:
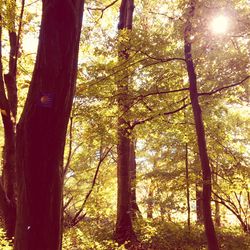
(67, 203)
(163, 59)
(160, 92)
(174, 18)
(158, 115)
(77, 216)
(225, 87)
(102, 9)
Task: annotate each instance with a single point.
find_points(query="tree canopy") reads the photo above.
(157, 141)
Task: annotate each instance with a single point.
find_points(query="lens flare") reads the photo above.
(220, 24)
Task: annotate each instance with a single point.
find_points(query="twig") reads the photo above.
(75, 220)
(102, 9)
(225, 87)
(160, 92)
(160, 114)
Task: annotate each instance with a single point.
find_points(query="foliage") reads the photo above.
(5, 244)
(156, 37)
(168, 236)
(90, 236)
(154, 235)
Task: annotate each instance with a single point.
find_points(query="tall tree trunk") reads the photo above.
(9, 167)
(150, 202)
(7, 203)
(217, 214)
(124, 229)
(200, 133)
(9, 121)
(198, 191)
(187, 185)
(42, 128)
(217, 204)
(134, 206)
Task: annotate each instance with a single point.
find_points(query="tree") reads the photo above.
(42, 128)
(200, 133)
(8, 106)
(124, 229)
(7, 202)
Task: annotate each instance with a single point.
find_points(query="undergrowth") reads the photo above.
(152, 235)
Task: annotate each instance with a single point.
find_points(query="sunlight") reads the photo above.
(220, 24)
(30, 44)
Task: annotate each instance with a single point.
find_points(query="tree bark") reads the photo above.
(135, 211)
(7, 201)
(124, 229)
(42, 128)
(200, 134)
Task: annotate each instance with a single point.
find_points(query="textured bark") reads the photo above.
(42, 128)
(124, 229)
(200, 134)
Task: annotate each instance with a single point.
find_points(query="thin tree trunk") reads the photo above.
(150, 202)
(200, 133)
(42, 128)
(199, 204)
(187, 185)
(217, 214)
(124, 229)
(217, 204)
(9, 121)
(8, 175)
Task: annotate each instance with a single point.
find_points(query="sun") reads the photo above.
(220, 24)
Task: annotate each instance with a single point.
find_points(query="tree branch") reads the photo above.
(225, 87)
(160, 92)
(103, 8)
(75, 220)
(135, 123)
(162, 59)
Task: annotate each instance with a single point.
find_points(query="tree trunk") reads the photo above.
(199, 204)
(9, 174)
(187, 185)
(217, 214)
(124, 229)
(217, 204)
(42, 128)
(135, 211)
(7, 203)
(200, 133)
(150, 202)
